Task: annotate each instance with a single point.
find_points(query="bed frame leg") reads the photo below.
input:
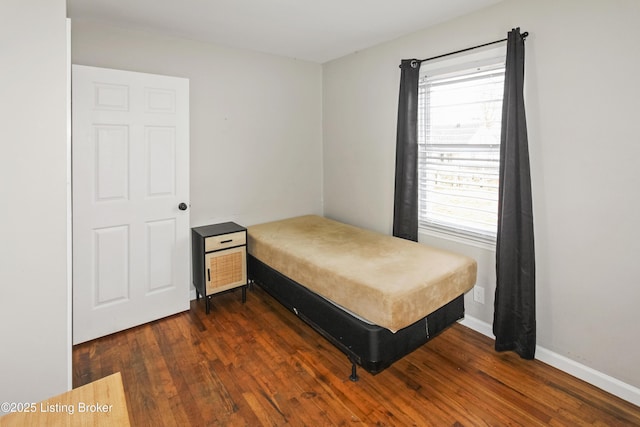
(354, 374)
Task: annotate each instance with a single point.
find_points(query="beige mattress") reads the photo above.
(388, 281)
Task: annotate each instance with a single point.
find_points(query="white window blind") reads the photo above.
(459, 125)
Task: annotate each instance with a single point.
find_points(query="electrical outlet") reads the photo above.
(478, 294)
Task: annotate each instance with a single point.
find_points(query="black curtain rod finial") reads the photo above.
(413, 64)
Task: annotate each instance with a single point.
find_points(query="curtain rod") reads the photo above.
(420, 61)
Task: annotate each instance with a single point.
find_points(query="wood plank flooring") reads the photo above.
(258, 364)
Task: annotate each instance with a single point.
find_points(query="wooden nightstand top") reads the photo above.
(217, 229)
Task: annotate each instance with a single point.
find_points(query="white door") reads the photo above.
(131, 235)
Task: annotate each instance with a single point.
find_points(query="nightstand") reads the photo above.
(219, 259)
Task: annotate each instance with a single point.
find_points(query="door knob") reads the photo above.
(182, 206)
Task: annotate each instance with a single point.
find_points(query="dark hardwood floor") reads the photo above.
(258, 364)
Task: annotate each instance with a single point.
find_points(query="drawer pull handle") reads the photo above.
(226, 241)
(208, 274)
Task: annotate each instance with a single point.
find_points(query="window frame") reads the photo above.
(481, 58)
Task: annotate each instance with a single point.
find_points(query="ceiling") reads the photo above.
(313, 30)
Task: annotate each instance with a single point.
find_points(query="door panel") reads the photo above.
(112, 162)
(111, 278)
(161, 148)
(130, 167)
(160, 238)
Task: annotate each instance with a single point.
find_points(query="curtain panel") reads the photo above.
(405, 206)
(514, 323)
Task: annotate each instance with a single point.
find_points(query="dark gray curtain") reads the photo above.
(405, 207)
(514, 323)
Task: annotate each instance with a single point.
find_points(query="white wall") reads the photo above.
(582, 94)
(256, 120)
(35, 342)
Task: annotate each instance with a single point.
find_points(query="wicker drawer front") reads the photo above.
(223, 241)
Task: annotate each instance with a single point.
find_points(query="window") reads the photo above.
(459, 125)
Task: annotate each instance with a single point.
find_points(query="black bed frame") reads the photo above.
(372, 347)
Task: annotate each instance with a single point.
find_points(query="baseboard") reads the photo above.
(605, 382)
(477, 325)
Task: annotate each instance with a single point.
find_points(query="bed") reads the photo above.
(374, 296)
